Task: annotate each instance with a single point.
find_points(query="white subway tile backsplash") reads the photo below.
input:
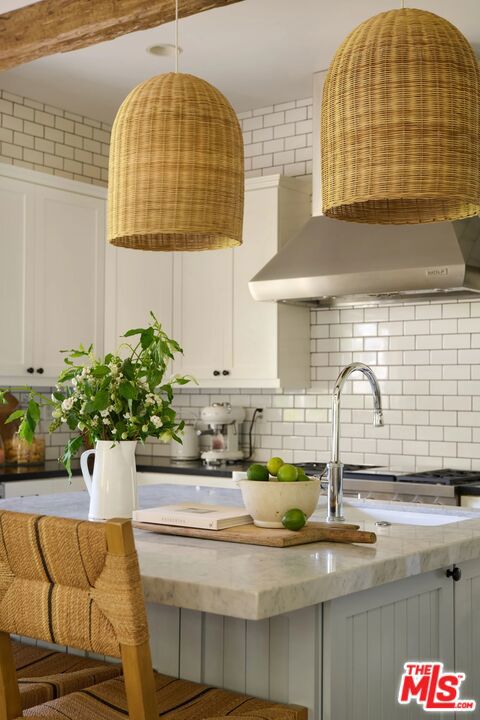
(469, 357)
(428, 312)
(443, 326)
(456, 310)
(430, 342)
(402, 312)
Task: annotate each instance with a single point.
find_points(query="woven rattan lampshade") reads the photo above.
(401, 123)
(176, 178)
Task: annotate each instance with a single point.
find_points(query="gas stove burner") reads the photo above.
(318, 468)
(445, 476)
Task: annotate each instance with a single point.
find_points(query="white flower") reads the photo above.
(127, 415)
(113, 368)
(124, 436)
(156, 421)
(67, 404)
(57, 413)
(144, 428)
(104, 413)
(114, 431)
(106, 421)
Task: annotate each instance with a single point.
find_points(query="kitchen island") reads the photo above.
(323, 625)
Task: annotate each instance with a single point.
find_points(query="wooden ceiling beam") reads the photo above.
(52, 26)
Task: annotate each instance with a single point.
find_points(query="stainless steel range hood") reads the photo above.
(333, 262)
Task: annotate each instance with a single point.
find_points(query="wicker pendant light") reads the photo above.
(176, 179)
(401, 123)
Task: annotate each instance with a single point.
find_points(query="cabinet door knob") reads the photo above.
(30, 370)
(226, 372)
(216, 372)
(456, 573)
(40, 371)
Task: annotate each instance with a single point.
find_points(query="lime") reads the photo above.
(257, 472)
(274, 465)
(294, 519)
(301, 475)
(287, 473)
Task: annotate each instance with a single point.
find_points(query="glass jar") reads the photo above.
(21, 452)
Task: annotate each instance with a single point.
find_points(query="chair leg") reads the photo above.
(10, 703)
(139, 682)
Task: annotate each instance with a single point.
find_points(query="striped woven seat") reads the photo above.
(46, 675)
(78, 584)
(175, 700)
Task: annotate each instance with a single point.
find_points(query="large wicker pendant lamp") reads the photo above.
(176, 177)
(401, 123)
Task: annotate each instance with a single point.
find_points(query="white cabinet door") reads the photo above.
(467, 629)
(202, 318)
(17, 241)
(368, 636)
(255, 324)
(137, 282)
(69, 266)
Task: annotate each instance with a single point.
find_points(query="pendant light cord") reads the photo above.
(176, 36)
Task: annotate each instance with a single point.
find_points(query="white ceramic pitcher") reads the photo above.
(113, 485)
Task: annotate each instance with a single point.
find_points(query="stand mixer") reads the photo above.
(223, 421)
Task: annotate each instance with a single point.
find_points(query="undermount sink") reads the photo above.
(372, 515)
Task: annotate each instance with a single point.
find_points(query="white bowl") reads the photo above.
(268, 501)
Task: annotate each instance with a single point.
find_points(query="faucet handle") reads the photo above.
(378, 418)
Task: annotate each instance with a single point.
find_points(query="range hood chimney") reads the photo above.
(333, 262)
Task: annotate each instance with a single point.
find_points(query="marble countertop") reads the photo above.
(254, 582)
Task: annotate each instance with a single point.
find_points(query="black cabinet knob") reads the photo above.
(30, 370)
(40, 371)
(226, 372)
(216, 372)
(456, 573)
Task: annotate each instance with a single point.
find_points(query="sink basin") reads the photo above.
(371, 515)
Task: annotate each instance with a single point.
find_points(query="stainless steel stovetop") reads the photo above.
(382, 483)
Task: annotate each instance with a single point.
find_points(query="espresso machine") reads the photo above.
(223, 421)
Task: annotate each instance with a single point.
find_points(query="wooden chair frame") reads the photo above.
(136, 659)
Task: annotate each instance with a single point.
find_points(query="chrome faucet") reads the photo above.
(335, 467)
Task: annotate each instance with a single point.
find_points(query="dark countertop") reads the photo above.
(470, 489)
(51, 468)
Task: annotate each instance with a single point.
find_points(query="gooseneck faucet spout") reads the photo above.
(335, 467)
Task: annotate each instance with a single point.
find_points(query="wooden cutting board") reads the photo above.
(251, 535)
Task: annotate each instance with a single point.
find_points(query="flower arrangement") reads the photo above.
(116, 397)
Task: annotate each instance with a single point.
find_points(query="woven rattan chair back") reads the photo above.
(74, 583)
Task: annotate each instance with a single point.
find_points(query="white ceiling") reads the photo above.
(258, 52)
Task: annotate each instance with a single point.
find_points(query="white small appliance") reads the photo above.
(189, 448)
(223, 420)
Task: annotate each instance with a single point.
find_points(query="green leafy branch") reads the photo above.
(111, 398)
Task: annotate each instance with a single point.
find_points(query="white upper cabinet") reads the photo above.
(229, 339)
(70, 265)
(17, 293)
(271, 341)
(137, 282)
(203, 317)
(52, 238)
(57, 293)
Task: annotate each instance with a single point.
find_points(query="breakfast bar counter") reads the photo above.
(310, 624)
(314, 624)
(254, 582)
